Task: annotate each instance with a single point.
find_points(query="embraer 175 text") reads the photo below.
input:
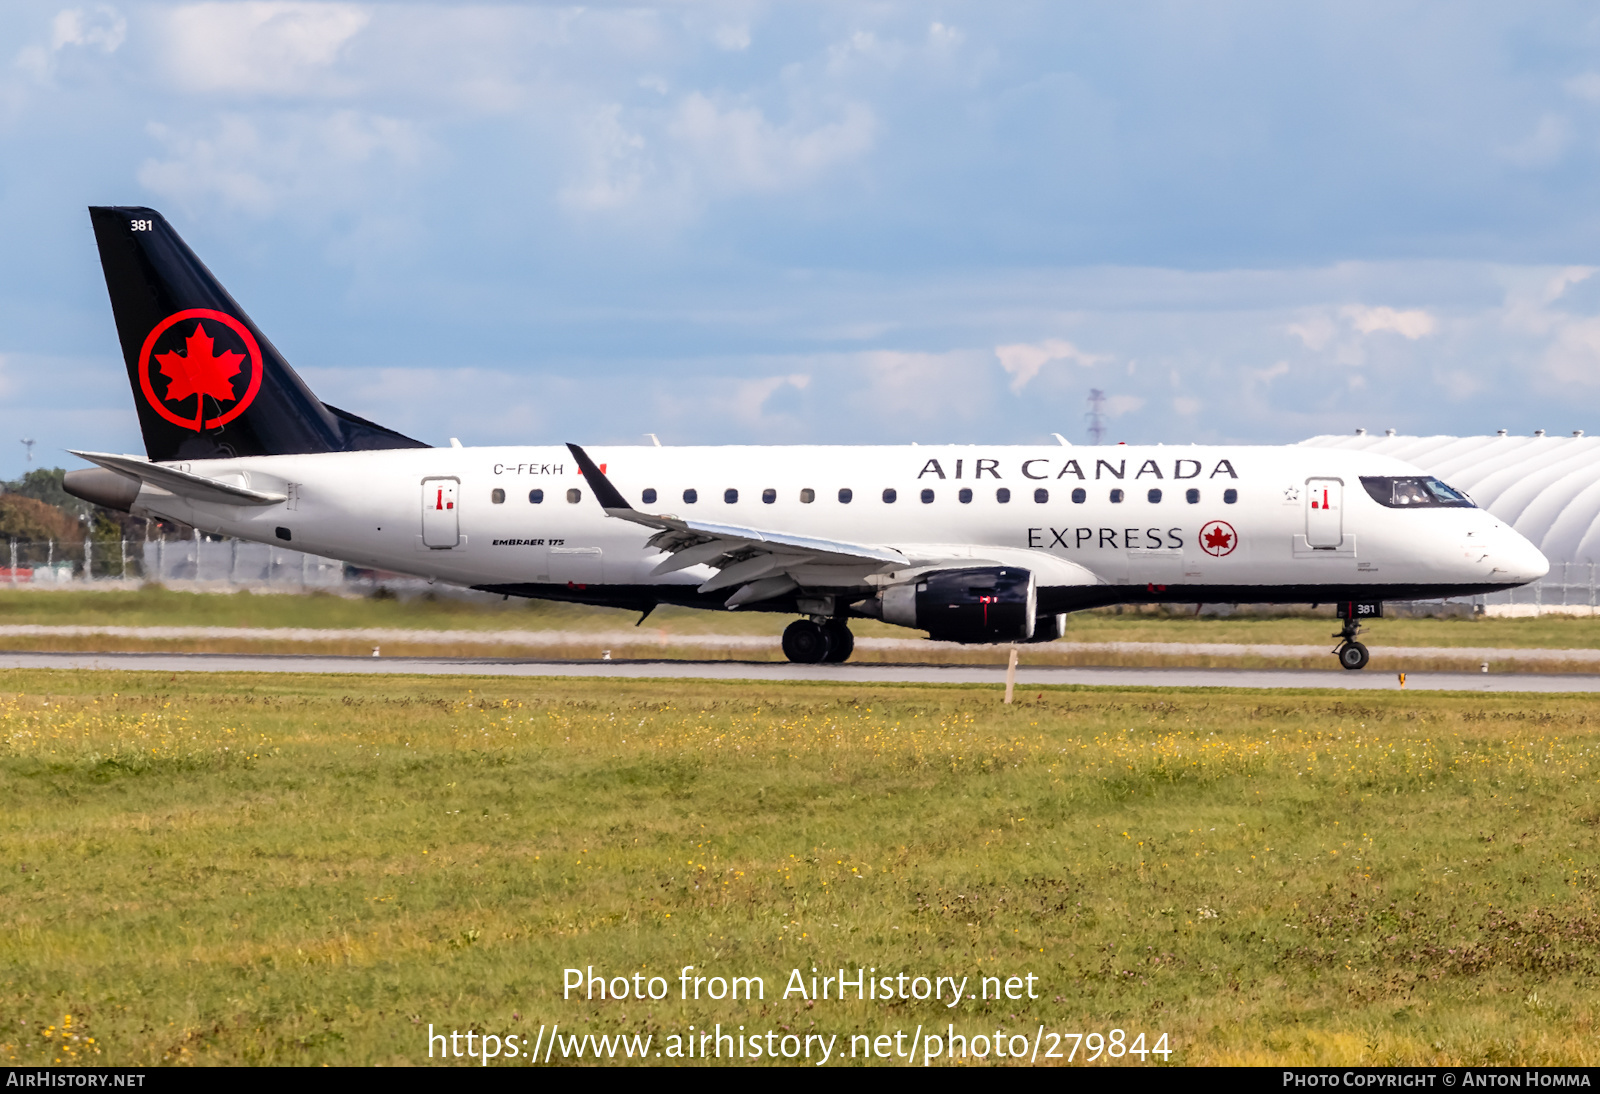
(970, 543)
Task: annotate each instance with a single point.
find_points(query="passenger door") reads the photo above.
(1324, 513)
(441, 519)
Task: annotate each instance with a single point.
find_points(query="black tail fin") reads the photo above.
(206, 382)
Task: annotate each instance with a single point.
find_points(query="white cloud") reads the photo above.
(1585, 86)
(1529, 298)
(1573, 356)
(748, 398)
(1023, 360)
(101, 27)
(732, 38)
(1315, 332)
(731, 400)
(258, 165)
(259, 46)
(1562, 280)
(433, 404)
(618, 165)
(737, 148)
(1118, 405)
(1411, 324)
(862, 43)
(921, 387)
(1459, 385)
(1544, 147)
(1187, 405)
(1270, 373)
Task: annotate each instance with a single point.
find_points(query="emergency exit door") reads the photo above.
(441, 518)
(1324, 512)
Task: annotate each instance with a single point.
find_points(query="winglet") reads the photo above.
(607, 495)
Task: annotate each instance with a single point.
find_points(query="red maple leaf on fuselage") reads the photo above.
(1218, 539)
(201, 372)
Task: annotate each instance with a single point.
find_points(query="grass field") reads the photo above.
(257, 870)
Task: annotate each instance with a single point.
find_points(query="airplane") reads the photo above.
(968, 543)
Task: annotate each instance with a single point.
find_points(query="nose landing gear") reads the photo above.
(1352, 654)
(810, 642)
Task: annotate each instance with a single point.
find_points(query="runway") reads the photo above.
(769, 671)
(637, 643)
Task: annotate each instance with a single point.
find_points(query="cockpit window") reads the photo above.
(1411, 493)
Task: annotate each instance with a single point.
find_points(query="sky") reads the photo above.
(820, 222)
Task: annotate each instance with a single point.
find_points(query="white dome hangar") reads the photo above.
(1547, 488)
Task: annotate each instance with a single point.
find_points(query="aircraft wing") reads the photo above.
(764, 564)
(182, 483)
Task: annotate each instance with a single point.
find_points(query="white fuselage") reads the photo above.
(1298, 520)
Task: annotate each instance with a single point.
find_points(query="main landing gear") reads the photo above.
(1351, 654)
(813, 641)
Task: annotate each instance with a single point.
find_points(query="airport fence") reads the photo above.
(60, 563)
(1568, 589)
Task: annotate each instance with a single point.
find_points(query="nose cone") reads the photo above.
(1518, 561)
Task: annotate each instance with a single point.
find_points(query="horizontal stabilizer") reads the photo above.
(182, 483)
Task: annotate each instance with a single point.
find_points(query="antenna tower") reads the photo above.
(1097, 420)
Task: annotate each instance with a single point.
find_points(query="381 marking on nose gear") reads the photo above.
(199, 370)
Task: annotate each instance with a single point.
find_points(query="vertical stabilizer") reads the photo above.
(206, 382)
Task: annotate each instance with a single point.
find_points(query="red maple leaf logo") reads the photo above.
(202, 372)
(1217, 538)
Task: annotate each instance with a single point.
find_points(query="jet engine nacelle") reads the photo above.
(990, 604)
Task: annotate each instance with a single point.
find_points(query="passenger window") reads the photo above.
(1192, 496)
(927, 497)
(574, 496)
(730, 496)
(690, 496)
(769, 495)
(807, 496)
(965, 495)
(1002, 495)
(1154, 496)
(1116, 497)
(536, 497)
(1041, 495)
(845, 495)
(497, 496)
(1079, 496)
(1230, 496)
(889, 495)
(649, 495)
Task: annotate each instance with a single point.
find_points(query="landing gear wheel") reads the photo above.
(805, 643)
(1353, 655)
(841, 643)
